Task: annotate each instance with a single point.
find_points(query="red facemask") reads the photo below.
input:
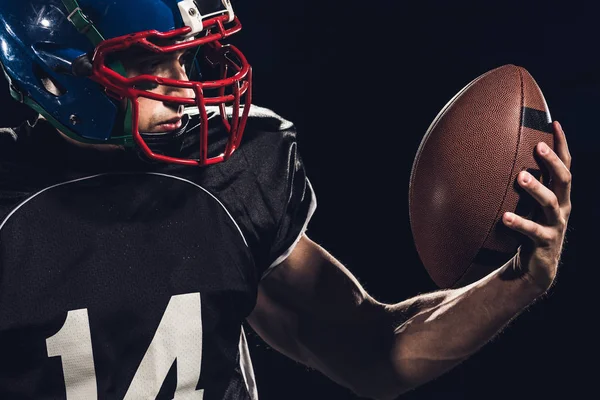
(232, 88)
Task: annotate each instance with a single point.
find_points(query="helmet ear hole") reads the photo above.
(48, 82)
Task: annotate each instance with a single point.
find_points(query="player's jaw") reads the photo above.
(156, 117)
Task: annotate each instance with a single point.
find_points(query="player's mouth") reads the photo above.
(170, 125)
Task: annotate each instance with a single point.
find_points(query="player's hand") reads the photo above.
(538, 260)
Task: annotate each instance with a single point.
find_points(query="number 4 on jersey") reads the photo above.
(178, 337)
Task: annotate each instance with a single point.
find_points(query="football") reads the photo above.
(463, 177)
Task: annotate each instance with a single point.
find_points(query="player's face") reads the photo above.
(159, 116)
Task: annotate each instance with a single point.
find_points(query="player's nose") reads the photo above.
(178, 73)
(181, 92)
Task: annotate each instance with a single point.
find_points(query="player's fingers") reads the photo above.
(561, 148)
(561, 176)
(536, 232)
(544, 196)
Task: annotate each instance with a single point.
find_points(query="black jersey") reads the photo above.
(124, 279)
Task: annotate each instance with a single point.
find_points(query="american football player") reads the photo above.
(148, 209)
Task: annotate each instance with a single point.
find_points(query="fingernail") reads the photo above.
(544, 148)
(509, 217)
(525, 177)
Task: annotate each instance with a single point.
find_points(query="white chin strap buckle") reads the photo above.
(194, 19)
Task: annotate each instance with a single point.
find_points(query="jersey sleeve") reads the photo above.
(283, 200)
(265, 187)
(297, 210)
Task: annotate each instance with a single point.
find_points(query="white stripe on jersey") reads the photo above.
(286, 254)
(126, 173)
(255, 111)
(246, 367)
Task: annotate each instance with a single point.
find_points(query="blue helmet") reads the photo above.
(73, 44)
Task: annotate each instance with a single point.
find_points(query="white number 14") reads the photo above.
(178, 337)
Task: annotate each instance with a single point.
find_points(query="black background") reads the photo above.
(362, 81)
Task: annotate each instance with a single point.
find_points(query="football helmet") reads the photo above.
(63, 59)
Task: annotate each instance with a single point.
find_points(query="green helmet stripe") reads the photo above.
(86, 27)
(82, 23)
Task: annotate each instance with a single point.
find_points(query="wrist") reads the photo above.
(541, 280)
(538, 282)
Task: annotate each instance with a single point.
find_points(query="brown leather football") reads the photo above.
(464, 174)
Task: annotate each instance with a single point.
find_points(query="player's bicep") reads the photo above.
(309, 289)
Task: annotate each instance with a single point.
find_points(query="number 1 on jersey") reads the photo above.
(73, 344)
(177, 338)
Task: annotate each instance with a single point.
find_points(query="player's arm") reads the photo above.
(312, 309)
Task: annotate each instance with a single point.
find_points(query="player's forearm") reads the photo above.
(446, 327)
(385, 350)
(312, 309)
